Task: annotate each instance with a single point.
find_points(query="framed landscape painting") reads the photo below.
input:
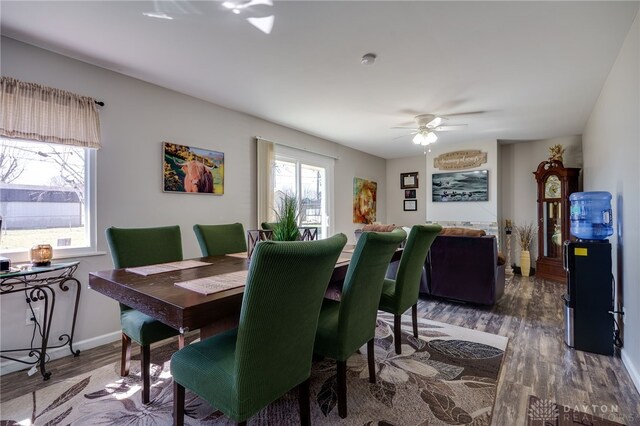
(194, 170)
(460, 186)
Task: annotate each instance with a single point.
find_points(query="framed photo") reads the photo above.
(410, 205)
(409, 193)
(460, 186)
(408, 180)
(192, 170)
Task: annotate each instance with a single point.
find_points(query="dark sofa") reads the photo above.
(465, 268)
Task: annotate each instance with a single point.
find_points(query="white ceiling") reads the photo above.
(510, 70)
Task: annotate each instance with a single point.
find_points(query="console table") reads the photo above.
(38, 283)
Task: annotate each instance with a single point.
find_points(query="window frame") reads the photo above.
(90, 212)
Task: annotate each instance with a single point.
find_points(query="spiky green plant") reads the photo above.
(287, 214)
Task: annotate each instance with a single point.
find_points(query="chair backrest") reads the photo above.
(410, 269)
(363, 286)
(268, 226)
(217, 240)
(285, 287)
(131, 247)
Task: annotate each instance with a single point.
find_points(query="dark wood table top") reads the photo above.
(157, 296)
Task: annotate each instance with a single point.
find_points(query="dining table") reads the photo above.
(187, 310)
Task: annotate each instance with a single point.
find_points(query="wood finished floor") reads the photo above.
(536, 363)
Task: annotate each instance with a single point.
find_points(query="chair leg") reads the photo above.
(126, 355)
(180, 341)
(342, 389)
(303, 401)
(145, 351)
(178, 404)
(397, 333)
(372, 361)
(414, 318)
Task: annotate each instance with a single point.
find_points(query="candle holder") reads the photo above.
(41, 255)
(508, 228)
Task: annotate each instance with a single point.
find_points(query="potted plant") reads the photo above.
(287, 214)
(525, 234)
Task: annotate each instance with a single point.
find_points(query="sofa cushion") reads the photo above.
(378, 227)
(463, 232)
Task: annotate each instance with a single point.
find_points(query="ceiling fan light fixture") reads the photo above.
(418, 139)
(430, 137)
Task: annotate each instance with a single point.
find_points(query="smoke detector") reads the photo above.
(368, 59)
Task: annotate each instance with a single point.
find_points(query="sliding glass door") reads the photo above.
(308, 177)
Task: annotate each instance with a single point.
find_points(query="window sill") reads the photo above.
(88, 253)
(23, 257)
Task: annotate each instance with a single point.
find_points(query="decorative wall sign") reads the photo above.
(364, 200)
(408, 180)
(460, 160)
(196, 170)
(460, 186)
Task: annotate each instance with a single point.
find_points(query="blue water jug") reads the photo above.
(591, 217)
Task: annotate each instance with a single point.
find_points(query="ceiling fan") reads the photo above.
(428, 126)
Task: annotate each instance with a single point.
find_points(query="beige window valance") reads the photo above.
(36, 112)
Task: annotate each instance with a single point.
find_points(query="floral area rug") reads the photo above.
(448, 376)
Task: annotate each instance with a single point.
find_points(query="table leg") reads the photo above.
(37, 294)
(65, 287)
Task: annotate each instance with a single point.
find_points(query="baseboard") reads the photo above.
(8, 366)
(631, 369)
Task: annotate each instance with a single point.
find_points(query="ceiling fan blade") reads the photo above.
(403, 127)
(399, 137)
(458, 114)
(450, 127)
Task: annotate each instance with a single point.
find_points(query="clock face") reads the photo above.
(552, 187)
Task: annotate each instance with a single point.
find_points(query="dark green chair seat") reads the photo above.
(347, 325)
(131, 247)
(243, 370)
(402, 293)
(142, 328)
(216, 240)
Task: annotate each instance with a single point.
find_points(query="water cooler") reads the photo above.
(588, 303)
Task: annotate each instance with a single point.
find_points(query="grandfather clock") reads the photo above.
(555, 184)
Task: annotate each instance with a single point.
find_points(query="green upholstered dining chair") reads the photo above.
(268, 226)
(240, 371)
(131, 247)
(217, 240)
(348, 324)
(402, 293)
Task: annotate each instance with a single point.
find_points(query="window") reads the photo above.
(44, 197)
(47, 142)
(309, 177)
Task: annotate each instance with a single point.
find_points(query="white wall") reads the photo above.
(611, 142)
(395, 195)
(476, 211)
(137, 117)
(518, 161)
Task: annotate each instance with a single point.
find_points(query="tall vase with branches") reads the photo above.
(525, 234)
(287, 215)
